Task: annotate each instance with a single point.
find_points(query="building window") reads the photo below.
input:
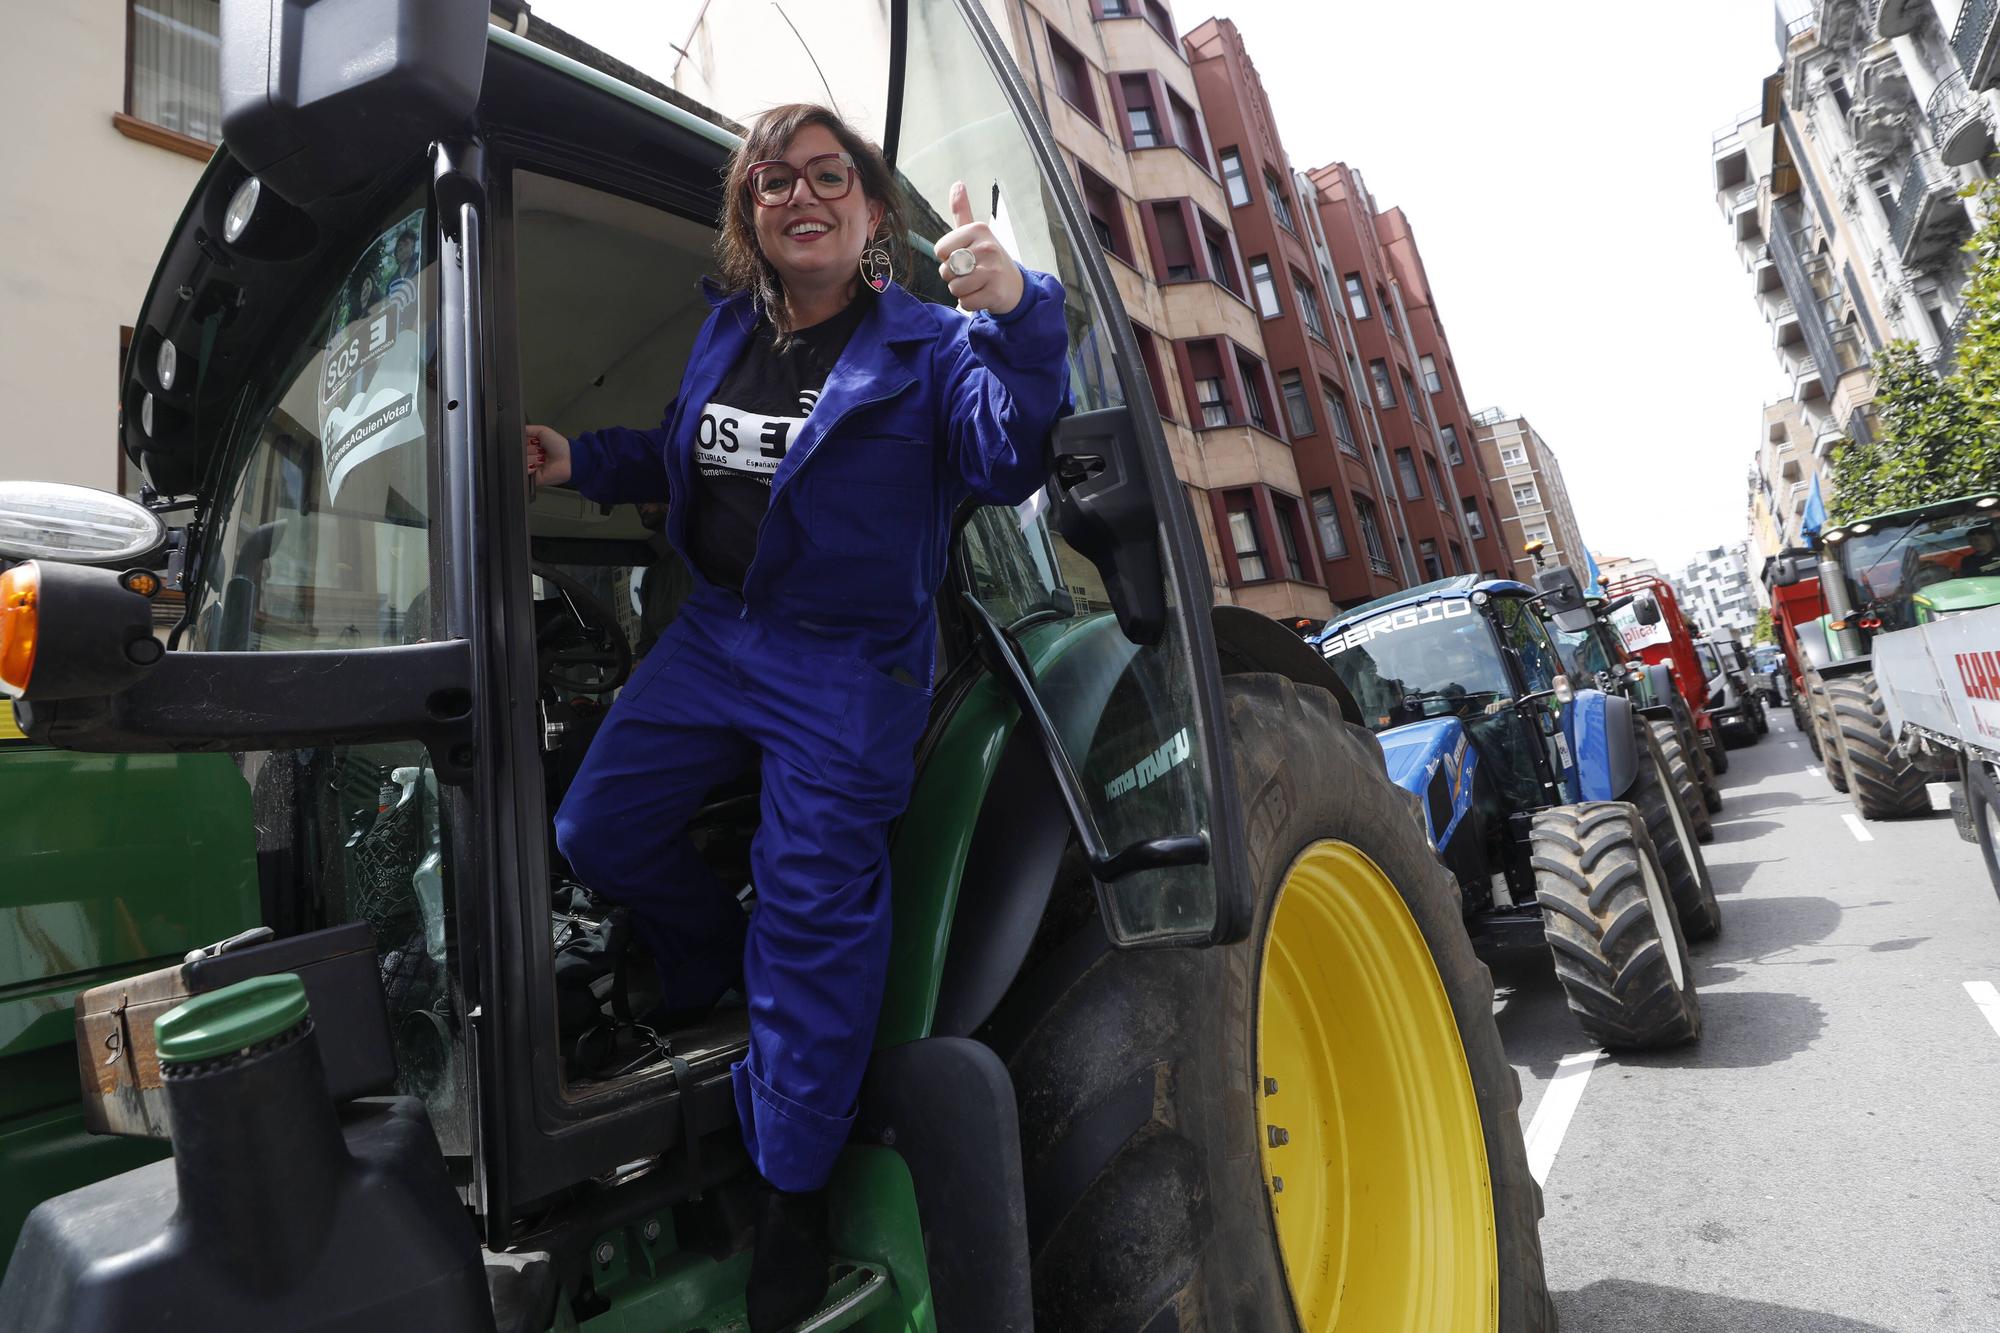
(1458, 565)
(1162, 21)
(1107, 212)
(1187, 129)
(1473, 524)
(1335, 399)
(1309, 306)
(1221, 255)
(1427, 552)
(1388, 311)
(1406, 472)
(1526, 494)
(1452, 448)
(1326, 517)
(1142, 121)
(1371, 534)
(1437, 482)
(1431, 380)
(1233, 178)
(1114, 9)
(1173, 257)
(1385, 393)
(1073, 79)
(1410, 395)
(1357, 296)
(1513, 455)
(1242, 509)
(176, 66)
(1211, 389)
(1149, 352)
(1265, 286)
(1255, 398)
(1279, 204)
(1298, 406)
(1537, 533)
(1289, 535)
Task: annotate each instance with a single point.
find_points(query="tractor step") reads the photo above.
(857, 1291)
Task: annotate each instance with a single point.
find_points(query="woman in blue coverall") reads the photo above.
(827, 427)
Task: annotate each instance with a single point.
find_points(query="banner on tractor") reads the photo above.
(372, 377)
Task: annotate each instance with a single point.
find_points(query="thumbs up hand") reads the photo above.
(994, 282)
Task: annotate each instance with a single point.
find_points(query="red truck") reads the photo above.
(1798, 620)
(1670, 639)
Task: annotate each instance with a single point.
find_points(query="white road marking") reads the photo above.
(1982, 994)
(1791, 745)
(1558, 1104)
(1813, 769)
(1857, 828)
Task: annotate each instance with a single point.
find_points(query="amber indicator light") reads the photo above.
(142, 581)
(20, 602)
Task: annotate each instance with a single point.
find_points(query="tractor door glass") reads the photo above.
(1523, 631)
(1128, 716)
(320, 540)
(1891, 563)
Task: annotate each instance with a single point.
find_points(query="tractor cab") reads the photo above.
(1909, 568)
(1467, 694)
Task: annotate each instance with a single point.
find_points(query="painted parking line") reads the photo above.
(1857, 828)
(1813, 770)
(1558, 1104)
(1791, 745)
(1982, 994)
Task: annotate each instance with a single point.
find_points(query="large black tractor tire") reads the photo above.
(1697, 753)
(1881, 780)
(1802, 719)
(1612, 928)
(1670, 824)
(1761, 721)
(1718, 753)
(1140, 1089)
(1684, 779)
(1826, 740)
(1982, 799)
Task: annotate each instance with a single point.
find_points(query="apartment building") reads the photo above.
(1420, 495)
(1715, 591)
(1780, 484)
(1119, 91)
(1611, 568)
(1533, 503)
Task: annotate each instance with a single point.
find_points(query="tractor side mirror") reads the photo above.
(1646, 610)
(1782, 571)
(318, 97)
(1104, 509)
(1563, 596)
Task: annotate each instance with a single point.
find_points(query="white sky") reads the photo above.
(1553, 157)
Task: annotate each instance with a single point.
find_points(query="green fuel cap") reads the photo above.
(229, 1020)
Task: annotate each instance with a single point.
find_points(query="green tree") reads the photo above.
(1936, 436)
(1763, 633)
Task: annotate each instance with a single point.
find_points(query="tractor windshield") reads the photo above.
(1415, 662)
(1585, 653)
(1887, 564)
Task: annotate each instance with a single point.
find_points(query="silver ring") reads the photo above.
(961, 262)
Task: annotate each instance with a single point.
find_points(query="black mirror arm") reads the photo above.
(1003, 654)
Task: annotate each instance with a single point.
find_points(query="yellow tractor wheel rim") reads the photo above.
(1374, 1162)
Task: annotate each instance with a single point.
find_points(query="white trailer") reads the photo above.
(1940, 687)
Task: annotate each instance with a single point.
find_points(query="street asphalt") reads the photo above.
(1824, 1159)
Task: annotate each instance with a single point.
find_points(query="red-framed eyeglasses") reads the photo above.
(828, 175)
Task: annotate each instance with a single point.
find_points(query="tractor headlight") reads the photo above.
(166, 365)
(242, 207)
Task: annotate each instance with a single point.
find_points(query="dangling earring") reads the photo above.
(877, 265)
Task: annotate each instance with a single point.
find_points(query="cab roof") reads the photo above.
(1979, 500)
(1459, 585)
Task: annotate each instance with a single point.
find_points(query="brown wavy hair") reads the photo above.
(740, 261)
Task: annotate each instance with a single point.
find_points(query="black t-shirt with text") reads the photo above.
(757, 413)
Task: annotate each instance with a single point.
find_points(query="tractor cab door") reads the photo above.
(1536, 664)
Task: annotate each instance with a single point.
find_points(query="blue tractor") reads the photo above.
(1550, 804)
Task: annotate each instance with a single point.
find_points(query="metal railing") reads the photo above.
(1923, 179)
(1734, 129)
(1950, 107)
(1970, 34)
(1948, 349)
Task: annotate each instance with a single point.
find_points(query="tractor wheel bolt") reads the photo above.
(605, 1252)
(1279, 1137)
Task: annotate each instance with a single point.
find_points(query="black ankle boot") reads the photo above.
(788, 1267)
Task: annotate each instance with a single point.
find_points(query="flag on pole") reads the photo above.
(1595, 585)
(1814, 517)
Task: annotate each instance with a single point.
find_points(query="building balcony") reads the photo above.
(1785, 325)
(1742, 212)
(1947, 351)
(1929, 215)
(1806, 382)
(1958, 122)
(1893, 18)
(1972, 41)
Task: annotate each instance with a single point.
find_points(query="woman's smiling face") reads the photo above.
(813, 242)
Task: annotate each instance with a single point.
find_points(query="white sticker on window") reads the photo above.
(372, 371)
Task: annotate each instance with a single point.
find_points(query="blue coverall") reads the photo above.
(819, 674)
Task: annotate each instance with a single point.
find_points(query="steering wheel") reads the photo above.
(581, 648)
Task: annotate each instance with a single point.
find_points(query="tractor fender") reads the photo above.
(1247, 642)
(1600, 727)
(1660, 684)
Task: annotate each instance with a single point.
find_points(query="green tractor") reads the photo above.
(1182, 1029)
(1880, 574)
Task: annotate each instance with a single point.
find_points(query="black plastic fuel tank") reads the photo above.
(277, 1211)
